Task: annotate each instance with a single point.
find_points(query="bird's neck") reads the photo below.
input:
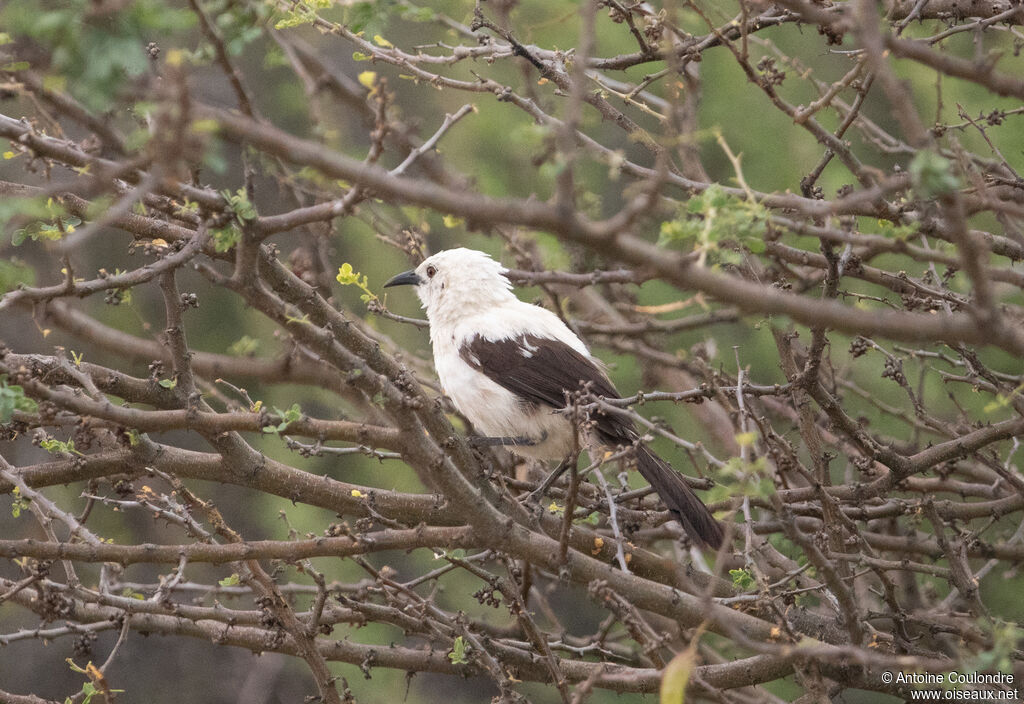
(449, 310)
(459, 318)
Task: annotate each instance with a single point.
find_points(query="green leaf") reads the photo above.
(898, 232)
(96, 57)
(746, 439)
(347, 277)
(240, 205)
(244, 346)
(295, 18)
(233, 581)
(742, 579)
(168, 383)
(89, 690)
(12, 398)
(932, 174)
(755, 245)
(225, 238)
(19, 504)
(14, 274)
(458, 654)
(55, 447)
(208, 126)
(45, 218)
(37, 208)
(287, 417)
(368, 17)
(713, 217)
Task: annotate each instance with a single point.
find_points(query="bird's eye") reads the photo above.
(430, 272)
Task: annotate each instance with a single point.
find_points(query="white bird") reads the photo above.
(510, 366)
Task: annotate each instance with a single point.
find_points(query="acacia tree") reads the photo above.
(827, 333)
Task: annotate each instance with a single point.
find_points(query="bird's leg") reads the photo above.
(504, 441)
(551, 479)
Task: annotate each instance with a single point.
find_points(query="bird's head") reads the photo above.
(455, 282)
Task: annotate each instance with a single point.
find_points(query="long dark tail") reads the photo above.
(692, 514)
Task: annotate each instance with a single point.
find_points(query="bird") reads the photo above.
(510, 368)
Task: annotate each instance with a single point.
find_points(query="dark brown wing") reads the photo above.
(542, 371)
(537, 369)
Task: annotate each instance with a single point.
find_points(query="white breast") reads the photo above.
(495, 411)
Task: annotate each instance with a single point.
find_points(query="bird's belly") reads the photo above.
(495, 411)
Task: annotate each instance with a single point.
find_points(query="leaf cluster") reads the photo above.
(347, 277)
(715, 217)
(13, 398)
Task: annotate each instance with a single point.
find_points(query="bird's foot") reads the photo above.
(504, 441)
(551, 479)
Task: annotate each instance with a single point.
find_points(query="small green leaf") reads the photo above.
(458, 654)
(225, 238)
(12, 398)
(713, 217)
(19, 504)
(244, 346)
(742, 579)
(233, 581)
(55, 446)
(745, 439)
(207, 126)
(295, 18)
(347, 277)
(367, 79)
(240, 204)
(287, 417)
(755, 245)
(932, 174)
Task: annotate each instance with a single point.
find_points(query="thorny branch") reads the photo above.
(870, 469)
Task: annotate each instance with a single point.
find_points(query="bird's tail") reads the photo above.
(690, 511)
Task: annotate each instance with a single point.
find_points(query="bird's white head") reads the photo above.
(456, 282)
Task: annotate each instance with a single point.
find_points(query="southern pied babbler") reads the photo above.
(511, 366)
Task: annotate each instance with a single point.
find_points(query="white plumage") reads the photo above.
(469, 297)
(509, 366)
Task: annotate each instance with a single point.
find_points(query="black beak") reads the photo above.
(406, 278)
